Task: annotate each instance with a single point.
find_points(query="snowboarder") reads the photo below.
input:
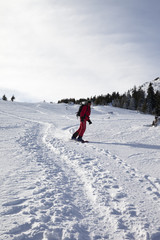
(84, 116)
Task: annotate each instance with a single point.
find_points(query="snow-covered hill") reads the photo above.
(155, 84)
(54, 188)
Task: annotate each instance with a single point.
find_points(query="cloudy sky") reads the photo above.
(54, 49)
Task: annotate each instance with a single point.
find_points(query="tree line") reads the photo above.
(136, 99)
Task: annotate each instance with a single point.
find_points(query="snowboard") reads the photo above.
(149, 125)
(84, 141)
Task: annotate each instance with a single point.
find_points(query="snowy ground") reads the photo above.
(54, 188)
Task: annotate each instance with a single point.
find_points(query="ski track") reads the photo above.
(76, 194)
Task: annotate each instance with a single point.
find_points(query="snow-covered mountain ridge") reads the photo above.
(155, 84)
(53, 188)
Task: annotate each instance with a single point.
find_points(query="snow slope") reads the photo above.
(54, 188)
(155, 84)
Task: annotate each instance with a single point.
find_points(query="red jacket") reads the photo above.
(85, 113)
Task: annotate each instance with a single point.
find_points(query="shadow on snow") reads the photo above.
(134, 145)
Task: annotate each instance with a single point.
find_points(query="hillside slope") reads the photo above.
(55, 188)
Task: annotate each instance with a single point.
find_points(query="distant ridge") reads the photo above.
(155, 84)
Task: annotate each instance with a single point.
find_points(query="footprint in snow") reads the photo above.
(20, 228)
(14, 206)
(14, 202)
(13, 210)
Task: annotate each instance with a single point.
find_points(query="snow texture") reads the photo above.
(54, 188)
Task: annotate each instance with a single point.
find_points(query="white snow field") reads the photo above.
(55, 188)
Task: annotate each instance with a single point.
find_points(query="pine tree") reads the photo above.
(150, 99)
(144, 106)
(135, 97)
(132, 104)
(141, 99)
(157, 103)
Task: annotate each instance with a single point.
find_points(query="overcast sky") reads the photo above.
(54, 49)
